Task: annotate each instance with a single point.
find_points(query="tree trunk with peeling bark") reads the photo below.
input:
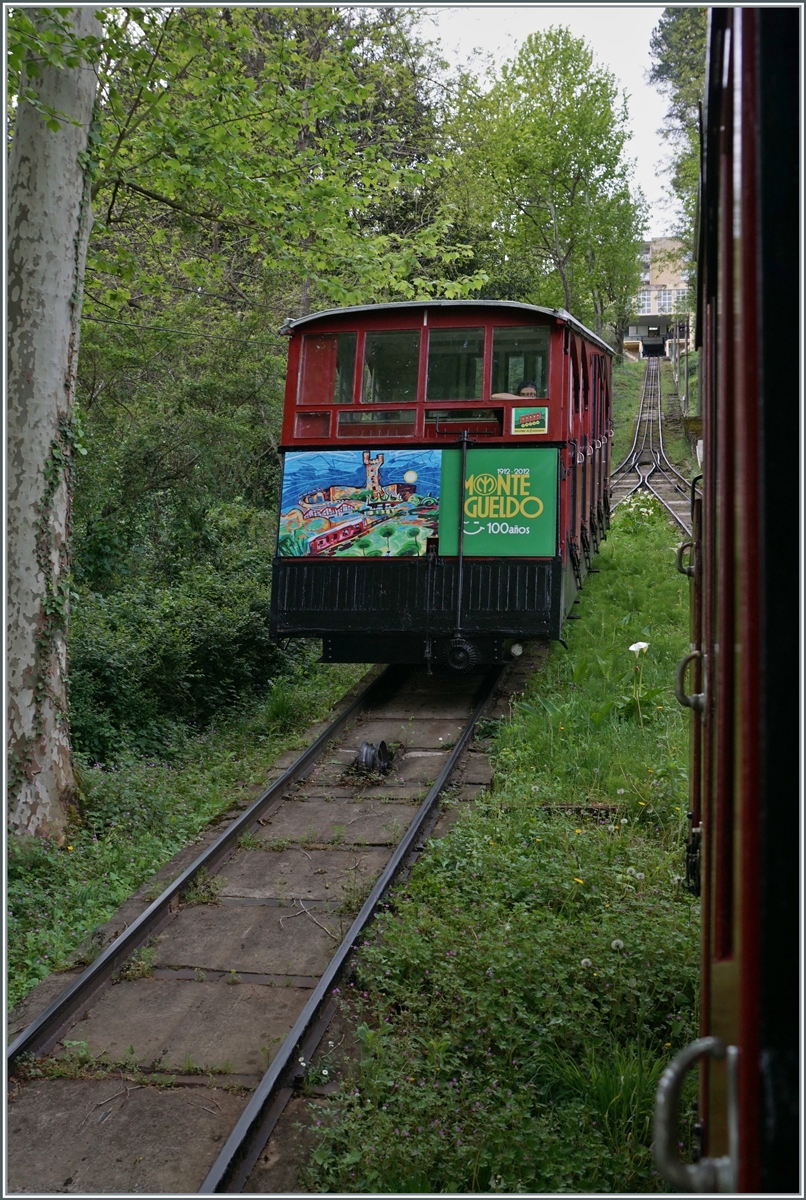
(49, 216)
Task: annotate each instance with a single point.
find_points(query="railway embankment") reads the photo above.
(512, 1010)
(628, 381)
(136, 816)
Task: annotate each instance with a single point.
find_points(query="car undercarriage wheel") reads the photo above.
(462, 655)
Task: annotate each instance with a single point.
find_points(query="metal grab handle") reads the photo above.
(681, 549)
(697, 699)
(709, 1174)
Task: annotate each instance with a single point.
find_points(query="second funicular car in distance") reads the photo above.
(445, 478)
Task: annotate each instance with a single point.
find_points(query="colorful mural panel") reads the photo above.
(359, 503)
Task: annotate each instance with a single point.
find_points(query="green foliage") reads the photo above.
(676, 440)
(174, 530)
(690, 382)
(677, 48)
(153, 656)
(619, 1089)
(280, 705)
(38, 39)
(203, 889)
(250, 164)
(521, 994)
(140, 965)
(541, 178)
(290, 139)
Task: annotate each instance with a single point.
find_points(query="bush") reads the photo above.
(147, 659)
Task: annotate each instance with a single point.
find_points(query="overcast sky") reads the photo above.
(619, 37)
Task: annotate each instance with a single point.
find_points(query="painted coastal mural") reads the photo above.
(359, 502)
(373, 503)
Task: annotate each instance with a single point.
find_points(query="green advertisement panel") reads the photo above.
(509, 502)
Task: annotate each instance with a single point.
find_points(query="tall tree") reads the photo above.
(49, 215)
(234, 152)
(541, 161)
(612, 264)
(677, 47)
(282, 130)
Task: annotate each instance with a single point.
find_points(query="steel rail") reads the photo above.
(248, 1138)
(658, 466)
(628, 463)
(659, 459)
(679, 520)
(669, 467)
(633, 460)
(651, 398)
(42, 1034)
(662, 452)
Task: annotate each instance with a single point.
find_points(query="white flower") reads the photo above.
(637, 647)
(324, 1072)
(624, 820)
(302, 1062)
(617, 944)
(611, 829)
(639, 874)
(631, 870)
(619, 791)
(586, 962)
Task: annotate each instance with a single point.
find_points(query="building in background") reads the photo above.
(661, 318)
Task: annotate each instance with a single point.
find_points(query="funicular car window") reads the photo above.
(521, 356)
(455, 364)
(391, 363)
(328, 368)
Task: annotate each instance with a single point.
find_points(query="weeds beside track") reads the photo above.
(526, 988)
(136, 815)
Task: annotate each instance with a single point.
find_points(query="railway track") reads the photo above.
(178, 1048)
(646, 467)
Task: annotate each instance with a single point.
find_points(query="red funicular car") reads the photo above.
(445, 480)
